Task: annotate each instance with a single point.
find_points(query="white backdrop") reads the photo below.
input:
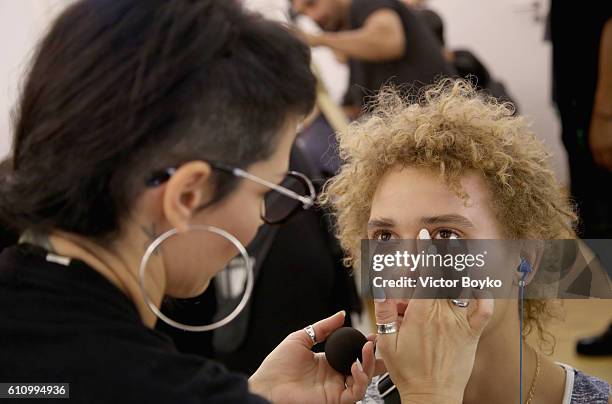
(22, 22)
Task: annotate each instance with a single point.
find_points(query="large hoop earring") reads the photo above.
(197, 328)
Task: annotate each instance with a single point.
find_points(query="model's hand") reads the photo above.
(431, 356)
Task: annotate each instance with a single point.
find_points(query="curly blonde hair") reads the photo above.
(452, 128)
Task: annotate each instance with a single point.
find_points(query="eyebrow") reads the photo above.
(381, 223)
(386, 223)
(449, 219)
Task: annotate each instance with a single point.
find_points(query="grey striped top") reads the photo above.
(580, 388)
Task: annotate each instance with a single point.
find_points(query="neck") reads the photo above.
(495, 377)
(119, 265)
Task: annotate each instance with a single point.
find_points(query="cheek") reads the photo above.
(245, 219)
(192, 260)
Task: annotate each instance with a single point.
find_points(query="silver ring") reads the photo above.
(311, 333)
(460, 303)
(388, 328)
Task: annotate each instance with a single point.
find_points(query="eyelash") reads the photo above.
(376, 235)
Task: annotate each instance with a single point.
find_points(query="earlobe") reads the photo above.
(186, 190)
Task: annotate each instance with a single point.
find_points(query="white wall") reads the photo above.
(21, 24)
(504, 35)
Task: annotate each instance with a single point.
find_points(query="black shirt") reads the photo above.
(420, 65)
(69, 324)
(576, 30)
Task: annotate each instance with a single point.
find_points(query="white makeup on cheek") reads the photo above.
(424, 235)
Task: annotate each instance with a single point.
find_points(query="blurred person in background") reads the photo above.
(465, 61)
(383, 41)
(582, 91)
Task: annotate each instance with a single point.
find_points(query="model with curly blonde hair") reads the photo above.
(458, 163)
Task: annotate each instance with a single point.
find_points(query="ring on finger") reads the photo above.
(387, 328)
(461, 303)
(311, 333)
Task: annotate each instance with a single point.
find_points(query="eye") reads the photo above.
(445, 234)
(382, 235)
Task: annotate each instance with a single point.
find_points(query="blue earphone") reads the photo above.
(524, 269)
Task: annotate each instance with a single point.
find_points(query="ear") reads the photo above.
(532, 252)
(188, 188)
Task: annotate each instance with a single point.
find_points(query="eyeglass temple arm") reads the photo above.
(307, 202)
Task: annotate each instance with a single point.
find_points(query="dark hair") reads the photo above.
(120, 88)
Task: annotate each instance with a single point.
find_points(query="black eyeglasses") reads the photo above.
(283, 201)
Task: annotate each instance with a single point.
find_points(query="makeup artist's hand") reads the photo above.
(293, 373)
(430, 358)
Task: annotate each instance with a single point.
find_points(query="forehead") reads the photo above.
(410, 193)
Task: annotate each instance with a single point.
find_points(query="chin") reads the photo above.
(189, 292)
(201, 290)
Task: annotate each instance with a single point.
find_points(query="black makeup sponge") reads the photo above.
(343, 347)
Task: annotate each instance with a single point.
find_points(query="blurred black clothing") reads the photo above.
(421, 64)
(7, 237)
(575, 32)
(465, 61)
(599, 345)
(470, 67)
(299, 279)
(69, 324)
(320, 145)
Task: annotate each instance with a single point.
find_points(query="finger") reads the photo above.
(360, 382)
(369, 360)
(479, 318)
(386, 312)
(380, 367)
(322, 329)
(424, 246)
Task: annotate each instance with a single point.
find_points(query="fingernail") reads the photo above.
(380, 300)
(424, 235)
(341, 312)
(359, 365)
